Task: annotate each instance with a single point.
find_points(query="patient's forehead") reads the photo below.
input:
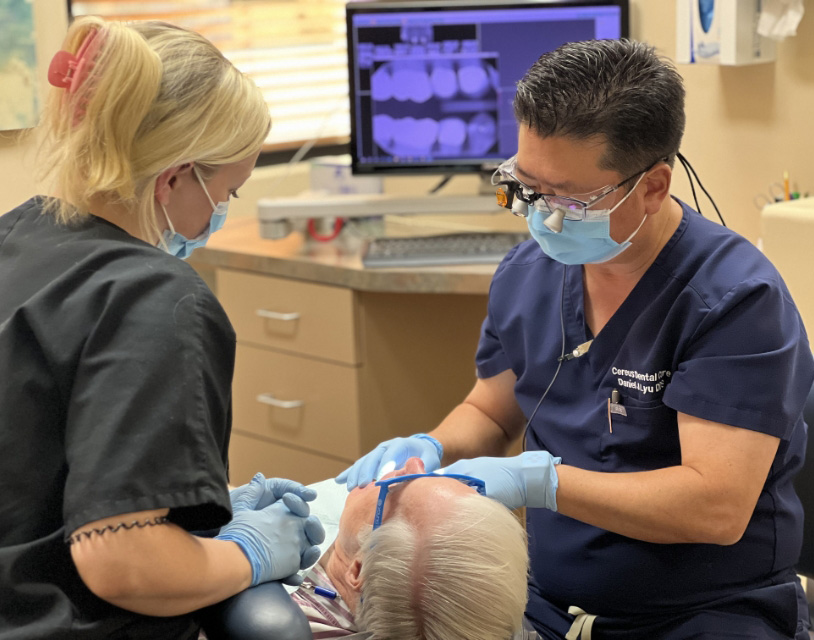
(421, 501)
(424, 497)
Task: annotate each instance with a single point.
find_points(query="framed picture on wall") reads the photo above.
(18, 65)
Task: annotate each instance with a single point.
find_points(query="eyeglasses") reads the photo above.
(476, 483)
(510, 187)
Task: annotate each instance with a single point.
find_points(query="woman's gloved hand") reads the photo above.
(274, 488)
(367, 468)
(279, 539)
(527, 480)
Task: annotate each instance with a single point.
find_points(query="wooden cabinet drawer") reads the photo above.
(299, 317)
(296, 400)
(249, 454)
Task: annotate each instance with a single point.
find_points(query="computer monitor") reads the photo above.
(432, 81)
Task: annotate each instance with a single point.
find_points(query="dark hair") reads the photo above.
(617, 89)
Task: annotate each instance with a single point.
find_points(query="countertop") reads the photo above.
(239, 246)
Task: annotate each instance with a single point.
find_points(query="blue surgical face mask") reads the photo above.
(585, 241)
(181, 247)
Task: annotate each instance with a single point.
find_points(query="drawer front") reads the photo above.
(249, 454)
(296, 400)
(299, 317)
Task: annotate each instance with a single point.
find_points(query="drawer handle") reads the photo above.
(267, 398)
(276, 315)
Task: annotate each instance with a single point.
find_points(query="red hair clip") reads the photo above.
(68, 71)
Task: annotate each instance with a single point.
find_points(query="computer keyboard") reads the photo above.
(453, 248)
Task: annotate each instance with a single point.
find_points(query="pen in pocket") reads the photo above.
(615, 406)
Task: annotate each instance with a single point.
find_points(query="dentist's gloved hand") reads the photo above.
(274, 489)
(278, 540)
(527, 480)
(366, 469)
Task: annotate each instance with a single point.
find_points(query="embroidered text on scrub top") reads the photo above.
(643, 382)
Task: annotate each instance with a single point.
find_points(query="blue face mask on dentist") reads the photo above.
(181, 247)
(585, 241)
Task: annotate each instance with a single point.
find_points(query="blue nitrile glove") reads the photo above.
(279, 539)
(274, 488)
(366, 469)
(527, 480)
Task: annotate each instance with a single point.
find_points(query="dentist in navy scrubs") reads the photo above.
(655, 365)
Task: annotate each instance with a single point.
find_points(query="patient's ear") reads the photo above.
(354, 575)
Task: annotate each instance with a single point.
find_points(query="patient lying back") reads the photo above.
(445, 563)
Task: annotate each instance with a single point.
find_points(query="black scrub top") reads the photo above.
(116, 365)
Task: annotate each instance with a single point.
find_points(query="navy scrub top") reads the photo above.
(710, 330)
(115, 397)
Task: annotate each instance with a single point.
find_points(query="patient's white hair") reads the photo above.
(465, 578)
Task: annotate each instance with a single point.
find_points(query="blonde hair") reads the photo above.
(466, 578)
(157, 96)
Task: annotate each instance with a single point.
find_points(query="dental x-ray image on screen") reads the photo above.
(432, 83)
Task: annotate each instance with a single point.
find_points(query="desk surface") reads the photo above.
(239, 246)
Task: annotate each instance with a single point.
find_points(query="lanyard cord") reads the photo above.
(690, 174)
(560, 360)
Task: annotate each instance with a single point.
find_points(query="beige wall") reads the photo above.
(746, 125)
(17, 161)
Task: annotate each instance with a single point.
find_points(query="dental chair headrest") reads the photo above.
(264, 612)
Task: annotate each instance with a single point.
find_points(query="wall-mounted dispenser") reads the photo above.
(721, 32)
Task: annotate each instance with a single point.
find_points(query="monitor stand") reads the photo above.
(276, 214)
(365, 205)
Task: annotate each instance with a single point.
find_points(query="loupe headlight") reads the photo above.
(509, 196)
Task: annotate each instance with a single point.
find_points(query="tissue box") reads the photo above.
(721, 32)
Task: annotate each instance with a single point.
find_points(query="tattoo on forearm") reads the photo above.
(114, 528)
